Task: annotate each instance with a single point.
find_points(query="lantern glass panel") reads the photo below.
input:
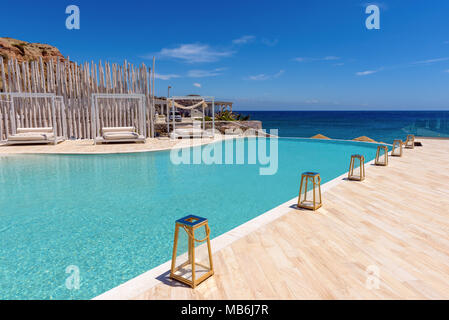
(397, 148)
(357, 168)
(310, 195)
(183, 256)
(202, 261)
(410, 142)
(382, 156)
(356, 173)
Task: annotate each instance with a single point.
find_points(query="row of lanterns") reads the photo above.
(192, 268)
(311, 199)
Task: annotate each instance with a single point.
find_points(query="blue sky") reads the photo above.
(277, 55)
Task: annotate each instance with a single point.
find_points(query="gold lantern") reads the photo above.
(397, 148)
(310, 199)
(195, 265)
(382, 161)
(361, 175)
(410, 142)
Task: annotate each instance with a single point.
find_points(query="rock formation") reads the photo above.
(26, 51)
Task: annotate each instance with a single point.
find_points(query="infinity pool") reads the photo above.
(112, 216)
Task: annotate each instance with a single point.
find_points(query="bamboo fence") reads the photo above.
(75, 83)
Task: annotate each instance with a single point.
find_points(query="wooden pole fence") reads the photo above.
(75, 83)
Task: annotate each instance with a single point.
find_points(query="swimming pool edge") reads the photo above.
(145, 281)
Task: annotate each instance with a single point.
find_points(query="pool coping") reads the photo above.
(191, 143)
(147, 280)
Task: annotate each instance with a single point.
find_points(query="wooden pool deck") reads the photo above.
(396, 222)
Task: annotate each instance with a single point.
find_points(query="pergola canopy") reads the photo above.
(172, 105)
(118, 113)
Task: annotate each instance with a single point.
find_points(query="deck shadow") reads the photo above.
(165, 279)
(352, 181)
(295, 207)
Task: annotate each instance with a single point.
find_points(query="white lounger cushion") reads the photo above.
(189, 131)
(120, 135)
(35, 130)
(31, 137)
(118, 129)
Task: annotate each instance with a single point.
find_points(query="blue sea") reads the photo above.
(382, 126)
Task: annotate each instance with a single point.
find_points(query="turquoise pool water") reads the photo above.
(113, 216)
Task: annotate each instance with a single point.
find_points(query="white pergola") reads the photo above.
(172, 108)
(96, 123)
(36, 116)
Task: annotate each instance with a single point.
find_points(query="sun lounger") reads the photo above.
(119, 134)
(33, 136)
(189, 132)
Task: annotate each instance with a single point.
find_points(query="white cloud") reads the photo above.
(244, 40)
(327, 58)
(166, 76)
(365, 73)
(280, 73)
(248, 39)
(196, 84)
(194, 53)
(446, 70)
(205, 73)
(431, 60)
(446, 42)
(263, 76)
(339, 64)
(259, 77)
(269, 42)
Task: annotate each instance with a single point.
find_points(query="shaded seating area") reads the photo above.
(119, 134)
(44, 135)
(34, 118)
(118, 118)
(197, 129)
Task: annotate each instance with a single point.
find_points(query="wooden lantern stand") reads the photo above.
(315, 180)
(361, 175)
(378, 161)
(191, 272)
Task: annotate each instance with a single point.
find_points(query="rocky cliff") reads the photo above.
(22, 51)
(26, 51)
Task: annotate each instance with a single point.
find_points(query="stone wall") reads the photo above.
(222, 126)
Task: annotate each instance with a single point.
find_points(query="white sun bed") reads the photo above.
(119, 134)
(33, 136)
(189, 132)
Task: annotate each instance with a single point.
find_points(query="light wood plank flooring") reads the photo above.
(397, 220)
